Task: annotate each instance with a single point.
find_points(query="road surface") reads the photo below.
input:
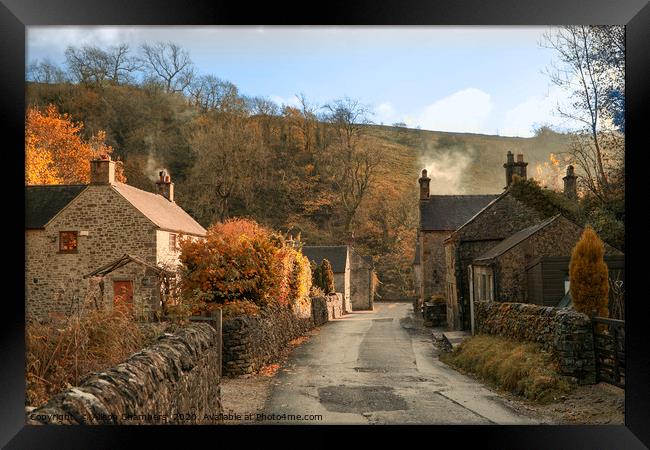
(375, 367)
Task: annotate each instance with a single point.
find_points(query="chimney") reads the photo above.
(570, 188)
(514, 168)
(102, 170)
(424, 185)
(165, 186)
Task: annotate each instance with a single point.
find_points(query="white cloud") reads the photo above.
(463, 111)
(535, 111)
(286, 101)
(385, 113)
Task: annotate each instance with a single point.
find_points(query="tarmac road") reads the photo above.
(375, 368)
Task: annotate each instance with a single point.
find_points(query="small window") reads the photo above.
(68, 241)
(172, 242)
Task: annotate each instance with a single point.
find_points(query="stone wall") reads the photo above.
(335, 306)
(176, 380)
(433, 263)
(564, 332)
(251, 342)
(319, 312)
(361, 292)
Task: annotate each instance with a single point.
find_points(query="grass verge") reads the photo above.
(521, 368)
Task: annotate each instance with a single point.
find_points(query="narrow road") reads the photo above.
(374, 368)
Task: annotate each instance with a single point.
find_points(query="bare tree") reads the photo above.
(168, 64)
(121, 65)
(88, 65)
(591, 66)
(45, 71)
(351, 167)
(228, 156)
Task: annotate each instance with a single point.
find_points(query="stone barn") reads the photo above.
(354, 273)
(362, 284)
(339, 258)
(104, 228)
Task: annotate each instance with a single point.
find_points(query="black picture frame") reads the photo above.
(15, 15)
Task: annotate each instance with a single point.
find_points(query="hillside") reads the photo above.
(283, 168)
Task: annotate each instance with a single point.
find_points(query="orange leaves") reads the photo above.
(241, 260)
(589, 275)
(55, 152)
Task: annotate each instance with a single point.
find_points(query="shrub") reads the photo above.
(588, 275)
(62, 351)
(242, 261)
(316, 275)
(238, 260)
(327, 277)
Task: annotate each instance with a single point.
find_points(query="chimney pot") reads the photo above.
(520, 157)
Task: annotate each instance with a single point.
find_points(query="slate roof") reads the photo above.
(449, 212)
(335, 254)
(44, 202)
(165, 214)
(515, 239)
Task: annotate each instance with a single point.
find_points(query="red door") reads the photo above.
(123, 294)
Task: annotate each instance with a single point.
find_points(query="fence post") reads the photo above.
(216, 314)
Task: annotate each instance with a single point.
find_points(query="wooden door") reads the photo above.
(123, 293)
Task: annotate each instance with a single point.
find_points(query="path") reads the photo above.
(369, 368)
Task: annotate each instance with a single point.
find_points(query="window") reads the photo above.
(172, 242)
(68, 242)
(490, 293)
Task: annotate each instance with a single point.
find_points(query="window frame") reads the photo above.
(173, 238)
(76, 247)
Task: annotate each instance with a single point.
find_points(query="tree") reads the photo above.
(210, 93)
(588, 275)
(229, 156)
(55, 153)
(168, 64)
(88, 65)
(351, 168)
(46, 72)
(327, 277)
(592, 68)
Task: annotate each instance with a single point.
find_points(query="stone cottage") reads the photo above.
(504, 216)
(108, 228)
(440, 215)
(353, 274)
(502, 272)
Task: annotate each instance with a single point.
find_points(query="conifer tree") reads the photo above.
(588, 275)
(327, 277)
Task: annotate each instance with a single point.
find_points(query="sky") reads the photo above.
(489, 80)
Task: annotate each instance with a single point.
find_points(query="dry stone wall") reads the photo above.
(250, 342)
(564, 332)
(319, 310)
(174, 381)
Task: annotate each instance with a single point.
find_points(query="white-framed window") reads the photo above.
(172, 242)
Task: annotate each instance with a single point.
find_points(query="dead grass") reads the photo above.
(61, 352)
(521, 368)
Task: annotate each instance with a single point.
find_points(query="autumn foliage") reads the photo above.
(55, 151)
(242, 261)
(588, 275)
